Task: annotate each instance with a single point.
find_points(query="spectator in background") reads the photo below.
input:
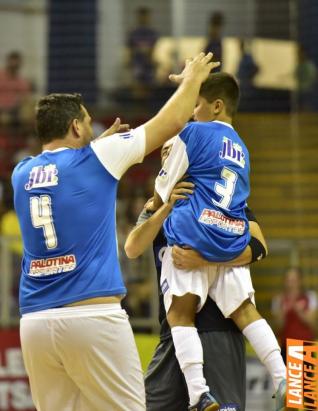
(295, 309)
(10, 230)
(246, 72)
(15, 91)
(141, 43)
(247, 68)
(306, 78)
(214, 40)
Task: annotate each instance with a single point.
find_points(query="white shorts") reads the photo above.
(229, 287)
(82, 358)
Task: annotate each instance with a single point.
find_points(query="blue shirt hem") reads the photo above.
(73, 299)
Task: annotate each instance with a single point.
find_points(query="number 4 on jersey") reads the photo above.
(225, 191)
(41, 215)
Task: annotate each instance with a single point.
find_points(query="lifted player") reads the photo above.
(213, 222)
(222, 342)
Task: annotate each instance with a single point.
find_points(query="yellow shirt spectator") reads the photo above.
(10, 228)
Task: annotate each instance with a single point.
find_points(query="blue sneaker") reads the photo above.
(206, 403)
(280, 397)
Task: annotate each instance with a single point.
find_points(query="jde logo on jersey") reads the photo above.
(232, 152)
(42, 176)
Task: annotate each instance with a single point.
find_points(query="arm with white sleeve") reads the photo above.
(120, 151)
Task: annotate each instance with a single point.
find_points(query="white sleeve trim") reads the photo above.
(121, 150)
(173, 169)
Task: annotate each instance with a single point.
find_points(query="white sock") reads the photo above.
(189, 354)
(264, 342)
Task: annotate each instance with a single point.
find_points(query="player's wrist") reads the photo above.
(167, 207)
(192, 80)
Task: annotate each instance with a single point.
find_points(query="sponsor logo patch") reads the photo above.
(213, 217)
(302, 374)
(42, 176)
(54, 265)
(232, 152)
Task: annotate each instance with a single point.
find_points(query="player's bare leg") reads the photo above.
(189, 351)
(264, 343)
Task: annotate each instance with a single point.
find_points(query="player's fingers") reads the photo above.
(188, 61)
(175, 78)
(111, 130)
(176, 251)
(115, 126)
(183, 191)
(213, 64)
(199, 57)
(176, 197)
(124, 127)
(207, 58)
(185, 184)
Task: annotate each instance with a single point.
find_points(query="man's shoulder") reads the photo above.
(23, 165)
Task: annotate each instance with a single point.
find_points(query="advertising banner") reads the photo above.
(14, 387)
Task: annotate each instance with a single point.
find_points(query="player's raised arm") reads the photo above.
(120, 151)
(176, 112)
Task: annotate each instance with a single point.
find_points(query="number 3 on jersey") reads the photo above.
(225, 191)
(41, 216)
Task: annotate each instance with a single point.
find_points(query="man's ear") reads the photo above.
(75, 127)
(218, 106)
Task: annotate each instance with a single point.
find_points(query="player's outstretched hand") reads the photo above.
(197, 69)
(187, 259)
(116, 127)
(181, 191)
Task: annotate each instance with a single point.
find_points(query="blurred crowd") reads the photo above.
(146, 84)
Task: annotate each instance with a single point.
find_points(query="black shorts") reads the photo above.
(224, 370)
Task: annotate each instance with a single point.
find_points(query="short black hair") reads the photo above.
(143, 11)
(222, 86)
(55, 113)
(217, 18)
(14, 55)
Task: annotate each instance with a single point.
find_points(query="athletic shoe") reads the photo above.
(206, 403)
(280, 397)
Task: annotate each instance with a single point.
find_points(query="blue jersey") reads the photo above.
(213, 220)
(65, 201)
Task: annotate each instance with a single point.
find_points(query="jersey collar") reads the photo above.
(224, 124)
(56, 150)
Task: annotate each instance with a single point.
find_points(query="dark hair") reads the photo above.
(222, 86)
(14, 55)
(55, 113)
(216, 19)
(143, 11)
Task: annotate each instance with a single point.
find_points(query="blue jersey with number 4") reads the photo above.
(213, 220)
(65, 202)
